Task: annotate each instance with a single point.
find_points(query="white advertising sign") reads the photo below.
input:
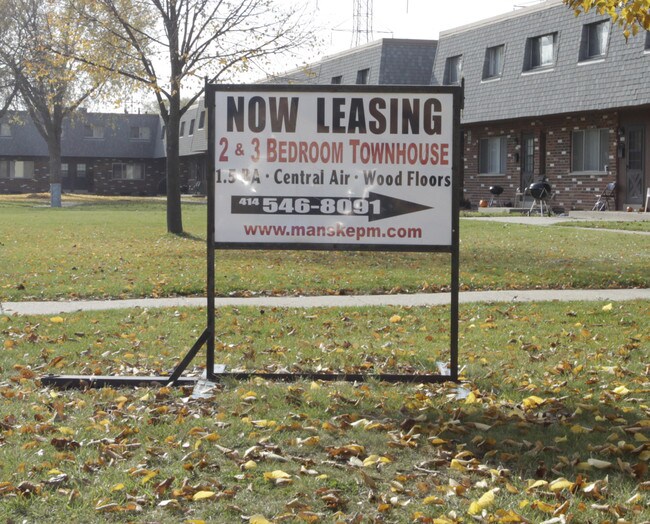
(346, 167)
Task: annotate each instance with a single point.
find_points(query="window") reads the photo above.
(140, 133)
(93, 131)
(16, 169)
(647, 40)
(590, 150)
(493, 62)
(182, 133)
(362, 76)
(202, 120)
(540, 52)
(453, 69)
(122, 171)
(5, 168)
(492, 155)
(64, 169)
(191, 127)
(337, 80)
(5, 130)
(594, 40)
(81, 170)
(162, 132)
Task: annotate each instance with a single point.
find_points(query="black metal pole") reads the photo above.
(209, 361)
(455, 233)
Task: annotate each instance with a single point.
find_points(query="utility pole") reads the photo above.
(362, 31)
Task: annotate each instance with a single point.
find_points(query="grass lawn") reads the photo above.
(553, 421)
(640, 225)
(117, 248)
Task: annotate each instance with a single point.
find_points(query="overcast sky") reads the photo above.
(405, 18)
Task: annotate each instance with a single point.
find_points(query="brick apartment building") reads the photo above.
(547, 95)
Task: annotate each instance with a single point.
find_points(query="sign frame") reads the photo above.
(453, 248)
(207, 338)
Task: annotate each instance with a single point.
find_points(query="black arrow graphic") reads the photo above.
(375, 206)
(392, 207)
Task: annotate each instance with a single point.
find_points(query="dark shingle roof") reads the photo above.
(389, 61)
(116, 142)
(619, 80)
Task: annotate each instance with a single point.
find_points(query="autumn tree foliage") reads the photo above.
(172, 46)
(51, 86)
(631, 15)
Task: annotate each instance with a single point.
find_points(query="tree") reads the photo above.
(182, 43)
(51, 86)
(630, 15)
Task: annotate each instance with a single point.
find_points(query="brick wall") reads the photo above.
(105, 184)
(553, 153)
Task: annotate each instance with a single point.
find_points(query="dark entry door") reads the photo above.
(635, 154)
(527, 163)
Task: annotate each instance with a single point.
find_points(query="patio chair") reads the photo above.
(604, 199)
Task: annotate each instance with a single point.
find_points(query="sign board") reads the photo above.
(344, 167)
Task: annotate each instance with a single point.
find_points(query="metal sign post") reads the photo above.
(327, 168)
(335, 168)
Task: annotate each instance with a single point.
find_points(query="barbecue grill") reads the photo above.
(541, 193)
(496, 192)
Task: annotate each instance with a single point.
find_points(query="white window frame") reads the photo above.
(590, 150)
(140, 133)
(93, 132)
(363, 76)
(595, 34)
(128, 171)
(494, 61)
(493, 155)
(17, 169)
(541, 51)
(453, 70)
(5, 169)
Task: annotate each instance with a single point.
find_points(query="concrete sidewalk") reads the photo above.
(420, 299)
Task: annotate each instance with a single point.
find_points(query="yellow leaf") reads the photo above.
(640, 437)
(608, 307)
(560, 484)
(532, 402)
(395, 319)
(118, 487)
(66, 431)
(621, 390)
(57, 320)
(277, 474)
(149, 476)
(537, 484)
(471, 398)
(600, 464)
(457, 465)
(486, 500)
(258, 519)
(203, 495)
(432, 500)
(251, 464)
(543, 506)
(195, 521)
(8, 344)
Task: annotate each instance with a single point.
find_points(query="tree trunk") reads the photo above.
(54, 151)
(174, 213)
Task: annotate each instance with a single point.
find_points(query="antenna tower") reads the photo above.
(362, 31)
